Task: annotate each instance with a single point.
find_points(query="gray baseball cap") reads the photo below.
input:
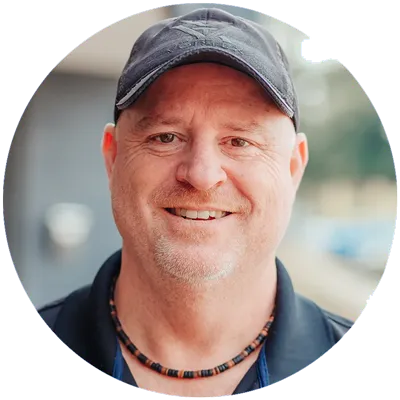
(208, 35)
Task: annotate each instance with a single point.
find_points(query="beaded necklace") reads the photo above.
(257, 342)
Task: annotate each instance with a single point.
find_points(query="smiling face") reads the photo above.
(203, 173)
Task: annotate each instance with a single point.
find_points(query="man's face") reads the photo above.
(203, 172)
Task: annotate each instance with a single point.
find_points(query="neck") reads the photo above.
(175, 323)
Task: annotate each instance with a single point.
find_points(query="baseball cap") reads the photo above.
(208, 35)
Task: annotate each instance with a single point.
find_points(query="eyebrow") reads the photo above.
(150, 121)
(251, 127)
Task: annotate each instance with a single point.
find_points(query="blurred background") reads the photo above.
(56, 201)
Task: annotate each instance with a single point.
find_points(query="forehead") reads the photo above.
(204, 83)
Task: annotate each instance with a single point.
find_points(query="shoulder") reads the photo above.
(334, 326)
(51, 312)
(339, 325)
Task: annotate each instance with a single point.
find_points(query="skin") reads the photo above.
(203, 137)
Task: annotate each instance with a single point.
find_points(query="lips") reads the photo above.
(198, 214)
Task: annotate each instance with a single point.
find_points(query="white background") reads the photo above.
(33, 33)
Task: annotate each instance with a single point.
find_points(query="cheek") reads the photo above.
(132, 168)
(130, 187)
(136, 177)
(268, 188)
(126, 184)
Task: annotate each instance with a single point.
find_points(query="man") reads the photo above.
(204, 162)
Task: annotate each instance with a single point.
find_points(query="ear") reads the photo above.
(299, 159)
(109, 148)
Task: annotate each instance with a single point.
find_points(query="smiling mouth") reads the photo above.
(198, 215)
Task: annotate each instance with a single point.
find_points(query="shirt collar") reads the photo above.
(298, 336)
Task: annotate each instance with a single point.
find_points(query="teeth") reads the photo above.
(193, 214)
(203, 214)
(218, 214)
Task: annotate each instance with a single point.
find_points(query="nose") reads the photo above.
(201, 167)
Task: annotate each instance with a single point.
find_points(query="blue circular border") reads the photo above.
(321, 48)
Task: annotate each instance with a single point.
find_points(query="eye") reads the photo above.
(238, 142)
(165, 138)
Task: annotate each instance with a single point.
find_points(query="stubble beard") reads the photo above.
(196, 264)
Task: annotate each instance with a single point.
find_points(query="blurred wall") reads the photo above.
(55, 157)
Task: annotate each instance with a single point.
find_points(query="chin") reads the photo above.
(194, 264)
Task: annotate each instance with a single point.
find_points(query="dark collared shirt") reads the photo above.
(300, 333)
